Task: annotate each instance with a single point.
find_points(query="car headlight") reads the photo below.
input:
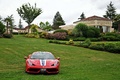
(55, 63)
(30, 63)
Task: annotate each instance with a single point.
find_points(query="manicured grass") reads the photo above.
(76, 63)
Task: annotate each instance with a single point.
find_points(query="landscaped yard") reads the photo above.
(76, 63)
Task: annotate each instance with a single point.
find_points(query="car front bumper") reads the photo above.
(42, 70)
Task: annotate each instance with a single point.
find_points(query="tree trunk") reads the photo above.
(7, 27)
(28, 28)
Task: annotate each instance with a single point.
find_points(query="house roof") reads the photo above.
(19, 28)
(28, 27)
(94, 18)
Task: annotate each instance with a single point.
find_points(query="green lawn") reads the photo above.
(76, 63)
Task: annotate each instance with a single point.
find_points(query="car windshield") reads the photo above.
(42, 55)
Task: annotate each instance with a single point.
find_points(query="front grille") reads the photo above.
(52, 70)
(34, 70)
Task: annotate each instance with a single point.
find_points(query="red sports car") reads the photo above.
(42, 62)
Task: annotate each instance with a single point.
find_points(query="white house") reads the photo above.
(103, 23)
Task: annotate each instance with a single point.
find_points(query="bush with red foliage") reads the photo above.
(57, 35)
(49, 36)
(60, 35)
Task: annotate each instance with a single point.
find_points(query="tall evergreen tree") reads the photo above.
(82, 16)
(58, 21)
(116, 23)
(111, 11)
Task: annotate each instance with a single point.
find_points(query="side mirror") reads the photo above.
(25, 57)
(58, 58)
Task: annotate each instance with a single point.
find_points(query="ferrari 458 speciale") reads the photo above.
(42, 62)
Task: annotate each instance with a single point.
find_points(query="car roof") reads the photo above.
(39, 52)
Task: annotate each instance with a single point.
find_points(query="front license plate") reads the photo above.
(43, 70)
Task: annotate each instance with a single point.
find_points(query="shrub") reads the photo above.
(97, 31)
(57, 42)
(53, 41)
(70, 42)
(95, 39)
(111, 36)
(60, 35)
(112, 47)
(62, 42)
(7, 35)
(43, 34)
(32, 35)
(79, 39)
(86, 43)
(61, 30)
(70, 32)
(93, 32)
(118, 37)
(33, 28)
(90, 33)
(80, 30)
(95, 46)
(76, 33)
(49, 36)
(57, 35)
(37, 36)
(50, 41)
(1, 36)
(2, 28)
(77, 44)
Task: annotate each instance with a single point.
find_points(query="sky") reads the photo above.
(70, 10)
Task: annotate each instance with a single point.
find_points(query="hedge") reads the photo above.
(110, 47)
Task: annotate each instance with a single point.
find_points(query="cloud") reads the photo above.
(70, 10)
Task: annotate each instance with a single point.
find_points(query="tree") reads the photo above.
(28, 13)
(116, 23)
(57, 21)
(9, 22)
(93, 32)
(2, 28)
(82, 16)
(48, 26)
(0, 18)
(34, 29)
(111, 12)
(80, 30)
(42, 25)
(45, 26)
(20, 24)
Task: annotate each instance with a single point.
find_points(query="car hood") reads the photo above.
(40, 62)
